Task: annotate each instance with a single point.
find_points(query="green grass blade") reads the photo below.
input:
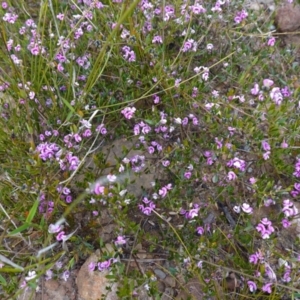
(32, 211)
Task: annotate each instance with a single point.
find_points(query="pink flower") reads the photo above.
(231, 176)
(266, 146)
(284, 145)
(98, 189)
(200, 230)
(157, 40)
(187, 175)
(120, 240)
(276, 95)
(265, 228)
(255, 90)
(128, 112)
(240, 16)
(111, 178)
(266, 155)
(60, 16)
(54, 228)
(285, 223)
(247, 208)
(61, 236)
(271, 41)
(197, 9)
(267, 288)
(268, 82)
(252, 286)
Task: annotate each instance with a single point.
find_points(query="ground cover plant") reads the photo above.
(206, 94)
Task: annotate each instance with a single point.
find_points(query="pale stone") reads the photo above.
(92, 285)
(287, 18)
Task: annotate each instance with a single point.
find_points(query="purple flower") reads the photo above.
(120, 240)
(276, 95)
(197, 9)
(163, 192)
(148, 208)
(188, 45)
(165, 163)
(268, 82)
(265, 228)
(231, 176)
(240, 16)
(297, 186)
(187, 175)
(92, 266)
(252, 286)
(247, 208)
(192, 213)
(151, 150)
(54, 228)
(266, 146)
(128, 112)
(254, 258)
(255, 90)
(65, 275)
(104, 265)
(271, 41)
(157, 40)
(73, 161)
(267, 288)
(128, 54)
(286, 92)
(69, 199)
(61, 236)
(237, 163)
(266, 155)
(200, 230)
(98, 189)
(284, 145)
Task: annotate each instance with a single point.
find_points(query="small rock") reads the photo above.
(92, 285)
(160, 274)
(160, 286)
(170, 281)
(51, 284)
(287, 18)
(168, 294)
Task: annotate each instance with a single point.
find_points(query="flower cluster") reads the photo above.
(265, 228)
(240, 16)
(48, 151)
(164, 190)
(102, 266)
(266, 147)
(45, 207)
(296, 190)
(289, 209)
(57, 229)
(297, 169)
(147, 207)
(65, 193)
(128, 112)
(192, 213)
(245, 207)
(256, 257)
(128, 54)
(237, 163)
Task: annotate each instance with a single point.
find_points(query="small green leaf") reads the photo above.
(215, 178)
(32, 211)
(19, 229)
(3, 281)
